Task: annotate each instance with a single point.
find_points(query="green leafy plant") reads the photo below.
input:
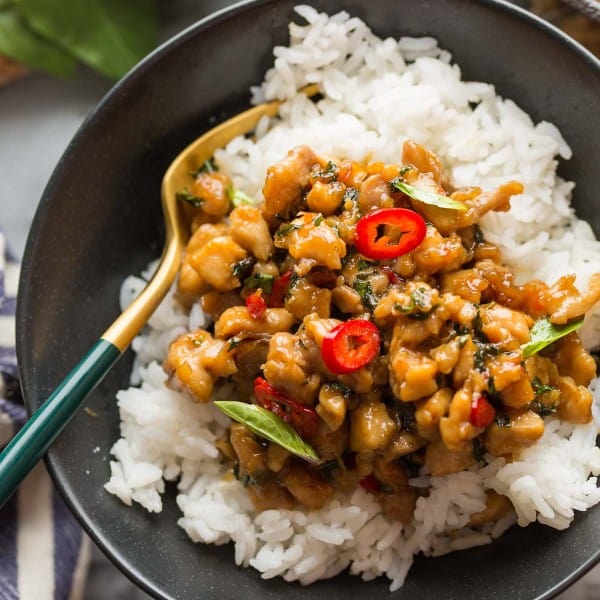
(109, 36)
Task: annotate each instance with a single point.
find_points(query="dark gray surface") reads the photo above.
(87, 83)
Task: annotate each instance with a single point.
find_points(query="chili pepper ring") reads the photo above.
(372, 244)
(350, 346)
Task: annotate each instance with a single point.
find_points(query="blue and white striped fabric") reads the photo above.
(43, 551)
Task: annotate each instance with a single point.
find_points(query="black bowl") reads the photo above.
(100, 220)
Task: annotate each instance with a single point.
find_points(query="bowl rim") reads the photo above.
(86, 522)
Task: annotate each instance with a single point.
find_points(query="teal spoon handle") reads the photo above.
(44, 426)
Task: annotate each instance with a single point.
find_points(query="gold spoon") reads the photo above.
(36, 436)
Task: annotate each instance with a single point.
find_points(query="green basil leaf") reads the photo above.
(264, 423)
(209, 166)
(260, 280)
(285, 229)
(427, 197)
(544, 333)
(539, 387)
(186, 196)
(22, 44)
(365, 291)
(237, 197)
(110, 36)
(242, 269)
(544, 410)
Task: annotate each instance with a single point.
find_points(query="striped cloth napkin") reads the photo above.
(43, 551)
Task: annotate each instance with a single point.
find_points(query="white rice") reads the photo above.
(377, 93)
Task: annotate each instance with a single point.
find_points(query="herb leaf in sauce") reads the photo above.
(365, 291)
(365, 265)
(544, 410)
(329, 173)
(492, 392)
(234, 342)
(293, 283)
(483, 352)
(502, 420)
(260, 280)
(351, 194)
(345, 390)
(419, 297)
(539, 387)
(208, 166)
(477, 326)
(186, 196)
(242, 269)
(238, 198)
(478, 235)
(544, 333)
(479, 450)
(264, 423)
(538, 405)
(420, 307)
(285, 229)
(427, 197)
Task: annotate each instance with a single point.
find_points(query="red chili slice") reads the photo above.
(302, 418)
(372, 244)
(370, 484)
(482, 412)
(280, 289)
(350, 346)
(256, 304)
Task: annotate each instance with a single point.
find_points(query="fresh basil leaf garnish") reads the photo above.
(543, 333)
(426, 196)
(264, 423)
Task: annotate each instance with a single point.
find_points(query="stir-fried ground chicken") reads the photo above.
(437, 371)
